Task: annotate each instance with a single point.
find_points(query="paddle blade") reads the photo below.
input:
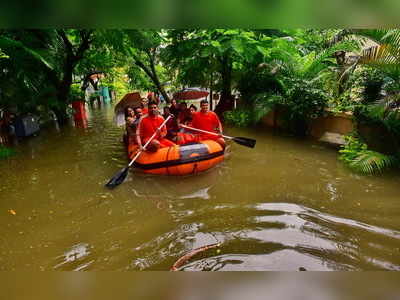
(118, 178)
(245, 141)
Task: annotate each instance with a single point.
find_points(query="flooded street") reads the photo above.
(284, 205)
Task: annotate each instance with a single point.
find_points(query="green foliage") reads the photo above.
(76, 93)
(239, 117)
(304, 100)
(6, 152)
(3, 55)
(355, 154)
(248, 115)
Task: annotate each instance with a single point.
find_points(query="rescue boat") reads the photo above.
(179, 159)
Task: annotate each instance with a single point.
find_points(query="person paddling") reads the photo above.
(148, 125)
(209, 121)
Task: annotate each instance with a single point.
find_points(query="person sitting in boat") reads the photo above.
(129, 116)
(193, 110)
(143, 106)
(148, 125)
(184, 113)
(131, 124)
(174, 109)
(172, 125)
(209, 121)
(184, 135)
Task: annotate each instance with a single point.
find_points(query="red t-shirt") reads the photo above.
(148, 125)
(208, 121)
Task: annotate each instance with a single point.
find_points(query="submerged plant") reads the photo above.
(355, 154)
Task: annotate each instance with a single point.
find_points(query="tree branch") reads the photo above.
(67, 42)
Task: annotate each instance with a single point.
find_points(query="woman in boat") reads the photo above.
(174, 109)
(184, 114)
(193, 110)
(186, 136)
(132, 117)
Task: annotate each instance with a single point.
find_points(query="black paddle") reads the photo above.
(118, 178)
(240, 140)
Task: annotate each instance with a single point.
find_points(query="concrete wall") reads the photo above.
(340, 123)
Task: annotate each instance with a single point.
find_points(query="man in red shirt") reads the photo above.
(148, 125)
(209, 121)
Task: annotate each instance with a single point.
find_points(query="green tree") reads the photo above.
(47, 56)
(197, 55)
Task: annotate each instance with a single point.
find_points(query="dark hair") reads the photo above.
(203, 102)
(126, 110)
(193, 106)
(152, 103)
(136, 108)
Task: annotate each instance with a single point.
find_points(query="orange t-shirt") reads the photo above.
(148, 125)
(208, 121)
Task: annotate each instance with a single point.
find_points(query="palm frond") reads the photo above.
(371, 162)
(20, 53)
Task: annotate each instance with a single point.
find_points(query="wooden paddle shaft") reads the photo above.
(208, 132)
(150, 139)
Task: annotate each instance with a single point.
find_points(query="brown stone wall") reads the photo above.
(335, 123)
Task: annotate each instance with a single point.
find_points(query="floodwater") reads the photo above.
(285, 205)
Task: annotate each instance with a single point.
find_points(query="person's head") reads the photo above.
(173, 102)
(153, 108)
(203, 106)
(166, 110)
(138, 112)
(129, 111)
(144, 102)
(183, 105)
(193, 109)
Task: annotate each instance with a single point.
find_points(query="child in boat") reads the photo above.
(148, 125)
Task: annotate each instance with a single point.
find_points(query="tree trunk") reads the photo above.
(152, 73)
(226, 101)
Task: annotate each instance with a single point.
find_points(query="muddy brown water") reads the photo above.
(285, 205)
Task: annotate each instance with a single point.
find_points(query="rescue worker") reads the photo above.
(148, 125)
(209, 121)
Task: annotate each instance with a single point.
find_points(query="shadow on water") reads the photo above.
(285, 205)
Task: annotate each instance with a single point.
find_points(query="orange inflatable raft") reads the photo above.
(179, 160)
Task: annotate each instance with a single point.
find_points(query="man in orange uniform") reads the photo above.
(209, 121)
(148, 125)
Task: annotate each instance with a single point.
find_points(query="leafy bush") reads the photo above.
(252, 114)
(238, 117)
(305, 99)
(76, 93)
(355, 154)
